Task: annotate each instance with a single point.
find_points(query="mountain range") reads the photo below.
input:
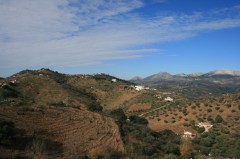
(195, 84)
(168, 76)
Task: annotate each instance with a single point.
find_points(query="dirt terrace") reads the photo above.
(80, 131)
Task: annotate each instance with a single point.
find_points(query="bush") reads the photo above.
(95, 108)
(172, 148)
(7, 129)
(201, 129)
(118, 114)
(218, 119)
(209, 110)
(58, 104)
(170, 156)
(148, 150)
(138, 120)
(9, 92)
(229, 105)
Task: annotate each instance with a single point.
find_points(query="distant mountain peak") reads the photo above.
(195, 74)
(160, 75)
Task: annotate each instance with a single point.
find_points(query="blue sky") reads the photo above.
(124, 38)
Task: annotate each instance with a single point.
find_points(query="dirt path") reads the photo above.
(153, 110)
(121, 99)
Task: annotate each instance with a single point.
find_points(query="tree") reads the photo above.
(186, 149)
(7, 129)
(170, 156)
(118, 114)
(201, 129)
(218, 119)
(95, 108)
(138, 120)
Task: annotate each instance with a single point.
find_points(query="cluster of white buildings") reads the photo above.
(140, 88)
(11, 82)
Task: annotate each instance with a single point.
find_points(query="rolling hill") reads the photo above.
(46, 114)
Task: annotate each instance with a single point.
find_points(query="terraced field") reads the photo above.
(80, 132)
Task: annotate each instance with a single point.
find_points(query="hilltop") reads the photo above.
(49, 110)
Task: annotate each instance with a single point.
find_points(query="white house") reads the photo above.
(206, 125)
(159, 96)
(188, 134)
(139, 88)
(114, 80)
(168, 99)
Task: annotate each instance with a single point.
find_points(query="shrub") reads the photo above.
(138, 120)
(58, 104)
(170, 156)
(209, 110)
(209, 118)
(95, 107)
(201, 129)
(7, 129)
(148, 150)
(9, 92)
(228, 105)
(218, 119)
(171, 148)
(118, 114)
(221, 110)
(193, 107)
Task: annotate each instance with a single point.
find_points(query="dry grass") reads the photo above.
(78, 130)
(206, 109)
(139, 107)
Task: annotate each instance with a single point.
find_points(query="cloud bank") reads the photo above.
(73, 33)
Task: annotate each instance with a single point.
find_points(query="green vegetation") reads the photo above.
(118, 114)
(218, 119)
(7, 130)
(138, 120)
(9, 92)
(218, 144)
(152, 143)
(95, 107)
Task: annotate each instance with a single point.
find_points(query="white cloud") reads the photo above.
(80, 33)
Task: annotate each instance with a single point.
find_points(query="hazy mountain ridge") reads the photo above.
(196, 84)
(167, 76)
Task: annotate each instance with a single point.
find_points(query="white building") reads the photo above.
(188, 134)
(139, 88)
(114, 80)
(206, 125)
(168, 99)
